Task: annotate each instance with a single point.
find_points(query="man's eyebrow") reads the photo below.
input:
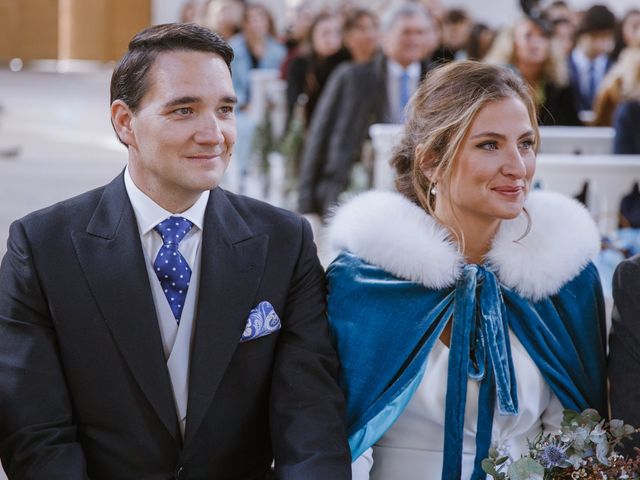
(187, 99)
(230, 99)
(182, 100)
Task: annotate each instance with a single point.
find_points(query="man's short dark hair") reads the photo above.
(597, 18)
(128, 82)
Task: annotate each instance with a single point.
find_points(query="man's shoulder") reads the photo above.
(262, 215)
(62, 214)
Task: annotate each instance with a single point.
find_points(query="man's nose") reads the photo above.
(209, 130)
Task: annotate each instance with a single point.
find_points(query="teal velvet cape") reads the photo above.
(384, 328)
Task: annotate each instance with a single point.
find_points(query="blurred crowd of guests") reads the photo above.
(351, 67)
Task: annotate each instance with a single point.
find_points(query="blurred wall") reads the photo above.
(70, 29)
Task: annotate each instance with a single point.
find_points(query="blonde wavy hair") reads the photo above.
(503, 52)
(622, 82)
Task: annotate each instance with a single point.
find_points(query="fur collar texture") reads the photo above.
(389, 231)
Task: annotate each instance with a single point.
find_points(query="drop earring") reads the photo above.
(434, 190)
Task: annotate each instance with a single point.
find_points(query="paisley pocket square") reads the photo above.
(262, 321)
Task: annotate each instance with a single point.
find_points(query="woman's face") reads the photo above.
(631, 30)
(363, 39)
(326, 38)
(530, 44)
(256, 21)
(493, 169)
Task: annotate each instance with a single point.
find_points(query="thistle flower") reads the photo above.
(553, 455)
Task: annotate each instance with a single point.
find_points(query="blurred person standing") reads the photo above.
(357, 96)
(627, 33)
(255, 47)
(224, 17)
(589, 61)
(361, 35)
(620, 84)
(480, 41)
(528, 46)
(626, 117)
(298, 22)
(455, 32)
(309, 71)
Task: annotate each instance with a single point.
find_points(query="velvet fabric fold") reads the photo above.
(385, 327)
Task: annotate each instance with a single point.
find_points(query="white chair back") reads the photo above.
(577, 140)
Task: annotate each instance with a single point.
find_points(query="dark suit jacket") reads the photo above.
(624, 346)
(354, 98)
(84, 387)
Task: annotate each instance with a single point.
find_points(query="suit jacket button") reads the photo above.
(180, 473)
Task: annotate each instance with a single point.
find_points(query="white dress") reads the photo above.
(412, 448)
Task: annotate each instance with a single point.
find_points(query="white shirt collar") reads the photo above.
(583, 62)
(149, 213)
(395, 69)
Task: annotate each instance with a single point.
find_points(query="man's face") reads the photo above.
(181, 137)
(408, 39)
(598, 43)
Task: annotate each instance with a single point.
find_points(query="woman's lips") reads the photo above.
(509, 191)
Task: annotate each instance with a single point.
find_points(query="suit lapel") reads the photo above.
(232, 265)
(111, 256)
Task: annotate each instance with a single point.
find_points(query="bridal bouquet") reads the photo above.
(584, 449)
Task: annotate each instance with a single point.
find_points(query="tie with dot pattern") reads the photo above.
(170, 266)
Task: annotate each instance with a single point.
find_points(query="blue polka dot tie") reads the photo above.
(170, 266)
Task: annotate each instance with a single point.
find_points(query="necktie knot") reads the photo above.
(173, 230)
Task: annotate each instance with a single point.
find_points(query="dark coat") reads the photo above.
(84, 387)
(559, 107)
(624, 347)
(354, 98)
(625, 122)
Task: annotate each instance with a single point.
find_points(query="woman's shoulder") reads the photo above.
(562, 240)
(389, 231)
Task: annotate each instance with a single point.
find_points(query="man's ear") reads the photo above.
(121, 117)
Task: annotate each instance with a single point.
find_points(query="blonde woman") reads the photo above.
(465, 308)
(529, 47)
(622, 82)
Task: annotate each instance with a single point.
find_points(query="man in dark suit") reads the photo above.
(359, 95)
(624, 347)
(160, 327)
(589, 61)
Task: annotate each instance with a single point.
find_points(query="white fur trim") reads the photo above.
(562, 240)
(388, 230)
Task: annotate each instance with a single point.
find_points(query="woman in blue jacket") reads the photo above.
(465, 308)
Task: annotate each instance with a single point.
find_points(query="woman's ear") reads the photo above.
(426, 161)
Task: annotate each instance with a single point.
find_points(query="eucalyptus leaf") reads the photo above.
(525, 468)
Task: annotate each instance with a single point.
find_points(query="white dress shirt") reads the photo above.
(394, 72)
(412, 449)
(176, 339)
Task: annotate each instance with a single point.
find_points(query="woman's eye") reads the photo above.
(526, 145)
(488, 146)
